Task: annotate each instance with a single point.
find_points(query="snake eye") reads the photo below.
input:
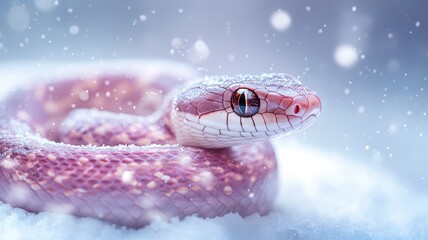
(245, 102)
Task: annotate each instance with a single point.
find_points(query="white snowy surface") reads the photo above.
(322, 196)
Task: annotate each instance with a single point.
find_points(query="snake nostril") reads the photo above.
(296, 109)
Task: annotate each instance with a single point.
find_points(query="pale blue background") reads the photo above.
(395, 96)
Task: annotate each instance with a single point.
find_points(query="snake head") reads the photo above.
(224, 111)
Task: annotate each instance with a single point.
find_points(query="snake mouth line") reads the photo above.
(303, 124)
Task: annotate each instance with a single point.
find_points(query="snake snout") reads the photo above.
(298, 106)
(312, 111)
(304, 106)
(303, 111)
(314, 107)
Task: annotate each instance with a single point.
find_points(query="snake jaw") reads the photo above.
(314, 107)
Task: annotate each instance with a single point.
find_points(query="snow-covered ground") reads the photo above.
(323, 195)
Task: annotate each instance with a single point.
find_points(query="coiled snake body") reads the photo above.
(203, 150)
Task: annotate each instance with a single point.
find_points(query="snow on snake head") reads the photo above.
(225, 111)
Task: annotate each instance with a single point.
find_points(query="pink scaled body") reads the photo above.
(91, 146)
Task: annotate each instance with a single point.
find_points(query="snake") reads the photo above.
(132, 147)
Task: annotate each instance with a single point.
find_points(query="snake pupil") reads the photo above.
(245, 102)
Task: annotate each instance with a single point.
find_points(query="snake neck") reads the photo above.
(83, 127)
(63, 111)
